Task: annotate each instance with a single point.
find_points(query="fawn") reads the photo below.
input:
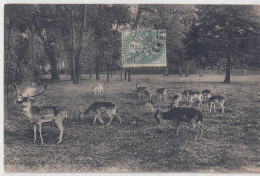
(99, 107)
(217, 100)
(182, 114)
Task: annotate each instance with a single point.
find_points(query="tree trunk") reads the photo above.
(228, 65)
(200, 72)
(97, 70)
(73, 63)
(107, 73)
(129, 75)
(180, 70)
(166, 71)
(187, 68)
(245, 72)
(125, 73)
(77, 71)
(54, 70)
(121, 73)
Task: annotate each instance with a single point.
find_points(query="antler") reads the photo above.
(41, 91)
(18, 92)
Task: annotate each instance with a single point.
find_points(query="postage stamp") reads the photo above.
(144, 48)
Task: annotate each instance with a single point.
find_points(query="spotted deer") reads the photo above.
(180, 115)
(217, 99)
(195, 95)
(40, 114)
(98, 89)
(161, 92)
(176, 100)
(144, 91)
(101, 107)
(206, 94)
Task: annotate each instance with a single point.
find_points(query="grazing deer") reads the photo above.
(176, 100)
(143, 90)
(206, 94)
(161, 92)
(29, 91)
(40, 114)
(195, 95)
(105, 107)
(217, 100)
(98, 89)
(182, 114)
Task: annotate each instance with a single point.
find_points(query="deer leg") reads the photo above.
(178, 128)
(214, 107)
(201, 130)
(98, 116)
(139, 95)
(34, 132)
(196, 129)
(111, 118)
(119, 118)
(210, 107)
(165, 98)
(40, 131)
(222, 106)
(60, 126)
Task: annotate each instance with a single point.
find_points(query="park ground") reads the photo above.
(230, 141)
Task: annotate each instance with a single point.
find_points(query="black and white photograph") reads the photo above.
(131, 88)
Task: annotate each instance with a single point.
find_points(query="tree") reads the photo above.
(224, 32)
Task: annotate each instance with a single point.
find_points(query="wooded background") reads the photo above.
(82, 39)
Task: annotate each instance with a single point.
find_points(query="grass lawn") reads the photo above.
(231, 141)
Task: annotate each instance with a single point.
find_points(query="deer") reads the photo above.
(101, 107)
(176, 100)
(180, 115)
(161, 92)
(98, 89)
(143, 90)
(41, 114)
(206, 94)
(195, 95)
(185, 95)
(217, 99)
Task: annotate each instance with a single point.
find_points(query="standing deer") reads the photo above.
(206, 94)
(161, 92)
(182, 114)
(143, 90)
(98, 89)
(217, 100)
(176, 100)
(195, 95)
(40, 114)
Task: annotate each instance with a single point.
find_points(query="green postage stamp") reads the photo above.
(144, 48)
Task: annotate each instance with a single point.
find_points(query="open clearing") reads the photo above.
(231, 141)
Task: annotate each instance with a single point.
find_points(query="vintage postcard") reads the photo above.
(131, 88)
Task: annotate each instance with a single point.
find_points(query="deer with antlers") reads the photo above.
(40, 114)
